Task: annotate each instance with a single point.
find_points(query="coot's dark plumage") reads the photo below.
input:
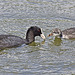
(67, 33)
(7, 41)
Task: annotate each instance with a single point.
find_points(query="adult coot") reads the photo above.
(7, 41)
(67, 33)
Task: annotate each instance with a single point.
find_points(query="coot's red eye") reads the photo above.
(39, 30)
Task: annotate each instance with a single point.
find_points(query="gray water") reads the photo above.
(53, 56)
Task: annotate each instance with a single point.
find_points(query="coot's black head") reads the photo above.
(32, 32)
(36, 30)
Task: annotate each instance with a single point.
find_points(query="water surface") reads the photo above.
(53, 56)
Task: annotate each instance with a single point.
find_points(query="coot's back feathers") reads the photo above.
(10, 41)
(69, 31)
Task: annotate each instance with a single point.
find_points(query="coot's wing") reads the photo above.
(7, 41)
(69, 31)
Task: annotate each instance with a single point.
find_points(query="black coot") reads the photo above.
(8, 41)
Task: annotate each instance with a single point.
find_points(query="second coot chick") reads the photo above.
(67, 33)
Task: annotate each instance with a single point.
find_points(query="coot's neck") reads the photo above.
(30, 36)
(61, 35)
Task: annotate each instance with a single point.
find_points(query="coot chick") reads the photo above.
(8, 41)
(67, 33)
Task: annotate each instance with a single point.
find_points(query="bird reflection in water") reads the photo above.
(57, 41)
(36, 43)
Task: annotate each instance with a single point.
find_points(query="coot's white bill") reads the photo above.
(42, 36)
